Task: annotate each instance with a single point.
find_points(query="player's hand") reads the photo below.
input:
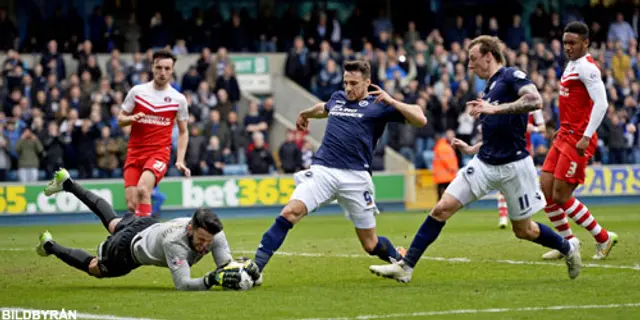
(227, 277)
(302, 123)
(461, 145)
(479, 106)
(137, 116)
(582, 145)
(381, 95)
(183, 168)
(250, 267)
(531, 127)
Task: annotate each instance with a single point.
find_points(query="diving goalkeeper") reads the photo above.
(135, 241)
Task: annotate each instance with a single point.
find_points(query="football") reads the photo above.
(246, 282)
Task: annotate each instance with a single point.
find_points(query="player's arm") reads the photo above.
(598, 94)
(538, 122)
(412, 113)
(318, 111)
(220, 250)
(529, 100)
(181, 272)
(182, 119)
(465, 148)
(125, 116)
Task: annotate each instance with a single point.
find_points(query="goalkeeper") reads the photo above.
(135, 241)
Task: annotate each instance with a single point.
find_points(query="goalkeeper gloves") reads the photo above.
(250, 267)
(228, 277)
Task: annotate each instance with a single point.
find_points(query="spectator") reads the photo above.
(107, 152)
(212, 159)
(5, 156)
(445, 162)
(180, 48)
(299, 66)
(253, 122)
(195, 151)
(617, 141)
(53, 150)
(224, 105)
(52, 62)
(620, 64)
(28, 149)
(306, 155)
(216, 67)
(214, 127)
(8, 31)
(540, 23)
(229, 82)
(259, 159)
(237, 145)
(515, 33)
(289, 154)
(132, 34)
(329, 80)
(83, 142)
(191, 80)
(621, 30)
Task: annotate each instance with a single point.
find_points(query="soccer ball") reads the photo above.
(246, 282)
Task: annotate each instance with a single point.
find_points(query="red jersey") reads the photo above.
(161, 109)
(536, 118)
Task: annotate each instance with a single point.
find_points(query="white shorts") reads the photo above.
(353, 189)
(517, 181)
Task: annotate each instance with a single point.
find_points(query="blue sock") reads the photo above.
(428, 233)
(385, 250)
(550, 239)
(272, 240)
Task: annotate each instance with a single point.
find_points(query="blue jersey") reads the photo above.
(503, 135)
(352, 131)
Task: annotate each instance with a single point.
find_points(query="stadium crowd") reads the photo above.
(51, 119)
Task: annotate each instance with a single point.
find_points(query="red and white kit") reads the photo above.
(150, 142)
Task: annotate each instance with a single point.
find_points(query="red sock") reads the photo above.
(559, 220)
(143, 210)
(502, 206)
(581, 215)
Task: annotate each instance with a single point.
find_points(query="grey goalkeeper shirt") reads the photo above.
(166, 244)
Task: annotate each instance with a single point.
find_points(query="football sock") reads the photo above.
(385, 250)
(552, 240)
(559, 220)
(143, 210)
(272, 240)
(428, 232)
(580, 214)
(502, 206)
(95, 203)
(76, 258)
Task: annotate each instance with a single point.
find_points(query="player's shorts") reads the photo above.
(564, 161)
(157, 163)
(353, 189)
(517, 181)
(115, 257)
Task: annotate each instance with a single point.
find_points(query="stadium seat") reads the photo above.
(235, 170)
(12, 175)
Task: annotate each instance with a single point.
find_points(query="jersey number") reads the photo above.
(572, 169)
(524, 202)
(367, 198)
(159, 166)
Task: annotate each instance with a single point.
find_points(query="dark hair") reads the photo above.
(163, 54)
(489, 44)
(358, 66)
(579, 28)
(206, 219)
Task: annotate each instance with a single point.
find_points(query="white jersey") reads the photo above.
(167, 245)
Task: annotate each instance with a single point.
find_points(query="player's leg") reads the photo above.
(471, 183)
(153, 171)
(376, 245)
(541, 234)
(314, 187)
(145, 186)
(100, 207)
(524, 198)
(131, 177)
(503, 215)
(356, 196)
(567, 177)
(76, 258)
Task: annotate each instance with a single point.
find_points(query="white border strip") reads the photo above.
(476, 311)
(80, 315)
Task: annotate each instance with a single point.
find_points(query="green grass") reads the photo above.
(334, 286)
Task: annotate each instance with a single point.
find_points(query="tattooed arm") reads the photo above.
(529, 100)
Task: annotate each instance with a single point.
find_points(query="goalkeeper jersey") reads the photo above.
(167, 245)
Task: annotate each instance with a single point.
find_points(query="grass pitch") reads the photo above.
(323, 273)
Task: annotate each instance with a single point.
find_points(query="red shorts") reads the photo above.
(157, 163)
(564, 161)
